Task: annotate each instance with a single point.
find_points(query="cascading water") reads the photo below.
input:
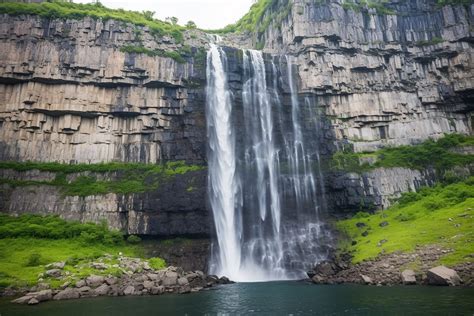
(262, 188)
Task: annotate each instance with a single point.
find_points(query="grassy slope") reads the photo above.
(16, 252)
(442, 216)
(50, 239)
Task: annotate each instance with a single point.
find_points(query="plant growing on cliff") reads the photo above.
(380, 6)
(259, 17)
(438, 154)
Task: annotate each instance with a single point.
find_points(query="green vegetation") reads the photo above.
(157, 263)
(29, 242)
(441, 216)
(433, 41)
(379, 5)
(437, 154)
(259, 18)
(69, 10)
(130, 177)
(52, 227)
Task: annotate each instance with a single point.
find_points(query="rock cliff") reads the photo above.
(71, 93)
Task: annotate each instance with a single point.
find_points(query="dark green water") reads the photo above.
(273, 298)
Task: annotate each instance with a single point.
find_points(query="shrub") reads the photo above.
(157, 263)
(53, 227)
(361, 215)
(33, 260)
(134, 239)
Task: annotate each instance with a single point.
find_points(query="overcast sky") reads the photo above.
(207, 14)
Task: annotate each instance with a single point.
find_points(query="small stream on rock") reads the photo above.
(265, 183)
(269, 298)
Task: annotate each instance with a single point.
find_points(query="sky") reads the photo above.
(207, 14)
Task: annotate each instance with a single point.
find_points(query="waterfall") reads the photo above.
(263, 191)
(222, 177)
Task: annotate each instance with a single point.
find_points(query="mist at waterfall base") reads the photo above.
(265, 183)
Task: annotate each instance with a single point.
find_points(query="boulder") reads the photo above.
(53, 273)
(42, 296)
(156, 290)
(84, 289)
(81, 283)
(129, 290)
(67, 294)
(152, 276)
(111, 281)
(55, 265)
(310, 274)
(148, 284)
(318, 279)
(95, 280)
(325, 268)
(225, 280)
(170, 278)
(408, 277)
(102, 290)
(442, 275)
(33, 301)
(367, 280)
(184, 289)
(99, 266)
(23, 300)
(183, 281)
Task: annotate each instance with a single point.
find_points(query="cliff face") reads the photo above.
(68, 93)
(383, 79)
(380, 80)
(71, 93)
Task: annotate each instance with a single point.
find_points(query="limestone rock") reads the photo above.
(67, 294)
(170, 278)
(54, 273)
(367, 280)
(55, 265)
(408, 277)
(442, 275)
(156, 290)
(129, 290)
(95, 280)
(102, 290)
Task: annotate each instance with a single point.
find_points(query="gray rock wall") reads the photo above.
(383, 80)
(69, 94)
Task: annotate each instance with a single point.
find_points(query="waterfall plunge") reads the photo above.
(262, 189)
